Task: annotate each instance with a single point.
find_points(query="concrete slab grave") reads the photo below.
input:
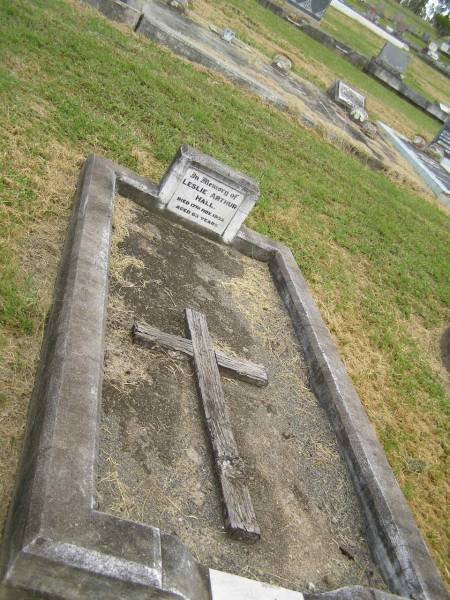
(201, 42)
(67, 537)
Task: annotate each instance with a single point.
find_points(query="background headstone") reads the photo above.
(393, 59)
(314, 8)
(347, 96)
(282, 63)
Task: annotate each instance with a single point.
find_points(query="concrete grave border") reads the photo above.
(57, 544)
(438, 188)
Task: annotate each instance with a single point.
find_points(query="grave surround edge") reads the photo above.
(56, 543)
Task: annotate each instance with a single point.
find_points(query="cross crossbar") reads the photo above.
(241, 369)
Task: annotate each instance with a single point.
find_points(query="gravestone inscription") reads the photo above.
(207, 194)
(350, 99)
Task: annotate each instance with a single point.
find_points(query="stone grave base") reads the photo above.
(59, 541)
(155, 458)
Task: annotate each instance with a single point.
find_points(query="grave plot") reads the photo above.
(156, 458)
(152, 470)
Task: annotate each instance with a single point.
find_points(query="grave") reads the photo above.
(393, 59)
(349, 98)
(131, 453)
(313, 8)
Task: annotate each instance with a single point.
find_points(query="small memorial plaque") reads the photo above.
(347, 96)
(207, 194)
(205, 200)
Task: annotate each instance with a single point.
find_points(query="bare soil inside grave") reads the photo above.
(155, 462)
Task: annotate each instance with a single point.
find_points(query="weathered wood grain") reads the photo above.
(240, 519)
(241, 369)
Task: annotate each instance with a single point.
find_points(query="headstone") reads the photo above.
(393, 59)
(443, 138)
(282, 63)
(207, 194)
(313, 8)
(433, 50)
(349, 98)
(372, 13)
(179, 5)
(228, 35)
(426, 37)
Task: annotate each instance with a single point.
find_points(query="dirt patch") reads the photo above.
(155, 461)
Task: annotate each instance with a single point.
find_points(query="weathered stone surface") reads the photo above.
(351, 99)
(313, 8)
(282, 63)
(56, 544)
(207, 194)
(370, 129)
(116, 10)
(180, 5)
(393, 59)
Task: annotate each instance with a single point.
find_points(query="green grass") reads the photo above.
(375, 255)
(350, 32)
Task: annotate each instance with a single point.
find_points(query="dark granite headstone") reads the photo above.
(313, 8)
(443, 138)
(393, 59)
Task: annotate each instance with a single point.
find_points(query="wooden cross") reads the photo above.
(240, 519)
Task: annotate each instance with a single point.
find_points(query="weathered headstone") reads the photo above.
(349, 98)
(443, 138)
(282, 63)
(313, 8)
(393, 59)
(433, 50)
(203, 191)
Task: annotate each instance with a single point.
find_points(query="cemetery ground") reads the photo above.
(374, 252)
(266, 31)
(421, 76)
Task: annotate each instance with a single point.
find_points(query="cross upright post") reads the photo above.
(240, 519)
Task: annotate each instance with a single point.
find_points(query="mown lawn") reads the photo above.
(312, 60)
(375, 255)
(350, 32)
(392, 8)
